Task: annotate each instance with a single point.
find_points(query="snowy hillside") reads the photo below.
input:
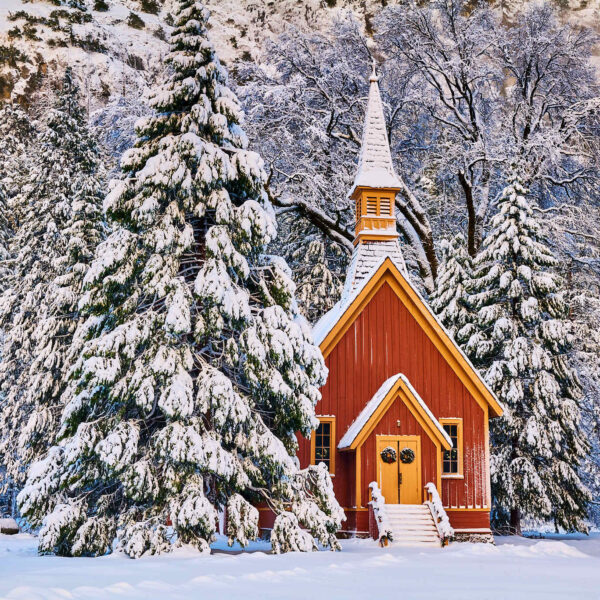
(117, 46)
(109, 55)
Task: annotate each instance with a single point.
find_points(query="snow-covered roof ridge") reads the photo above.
(367, 412)
(375, 167)
(367, 257)
(328, 321)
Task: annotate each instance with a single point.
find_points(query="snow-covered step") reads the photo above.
(416, 522)
(410, 518)
(406, 515)
(412, 525)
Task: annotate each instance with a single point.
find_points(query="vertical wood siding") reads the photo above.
(385, 339)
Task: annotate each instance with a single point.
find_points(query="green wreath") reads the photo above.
(407, 456)
(388, 455)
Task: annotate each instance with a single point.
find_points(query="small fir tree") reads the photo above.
(523, 344)
(196, 371)
(58, 218)
(450, 299)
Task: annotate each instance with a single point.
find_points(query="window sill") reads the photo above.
(453, 476)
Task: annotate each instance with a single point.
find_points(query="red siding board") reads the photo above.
(385, 339)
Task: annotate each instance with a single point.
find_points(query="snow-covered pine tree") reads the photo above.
(450, 298)
(16, 132)
(5, 235)
(523, 344)
(58, 221)
(197, 370)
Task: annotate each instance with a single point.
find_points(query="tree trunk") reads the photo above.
(515, 521)
(471, 215)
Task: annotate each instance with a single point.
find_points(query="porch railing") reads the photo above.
(379, 527)
(440, 517)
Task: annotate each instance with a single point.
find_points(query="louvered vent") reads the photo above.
(358, 213)
(385, 206)
(371, 206)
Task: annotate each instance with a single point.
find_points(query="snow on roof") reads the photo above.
(368, 255)
(375, 167)
(373, 404)
(327, 322)
(351, 291)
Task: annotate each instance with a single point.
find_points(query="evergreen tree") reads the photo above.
(16, 132)
(523, 344)
(450, 299)
(196, 371)
(58, 224)
(5, 234)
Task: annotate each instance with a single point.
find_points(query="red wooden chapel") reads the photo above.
(403, 406)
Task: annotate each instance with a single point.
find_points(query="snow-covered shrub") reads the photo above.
(288, 536)
(60, 527)
(242, 520)
(94, 537)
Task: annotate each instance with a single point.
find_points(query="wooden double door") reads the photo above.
(399, 481)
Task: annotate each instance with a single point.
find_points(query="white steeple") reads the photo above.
(374, 191)
(375, 167)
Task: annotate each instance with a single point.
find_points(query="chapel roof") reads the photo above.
(334, 322)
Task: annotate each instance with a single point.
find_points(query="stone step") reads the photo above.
(412, 525)
(410, 521)
(402, 515)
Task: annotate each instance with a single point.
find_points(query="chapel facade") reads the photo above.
(402, 407)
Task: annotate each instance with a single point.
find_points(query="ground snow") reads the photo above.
(565, 567)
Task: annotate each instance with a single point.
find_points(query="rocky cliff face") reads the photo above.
(116, 46)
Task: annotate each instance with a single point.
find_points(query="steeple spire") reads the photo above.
(376, 183)
(375, 167)
(374, 191)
